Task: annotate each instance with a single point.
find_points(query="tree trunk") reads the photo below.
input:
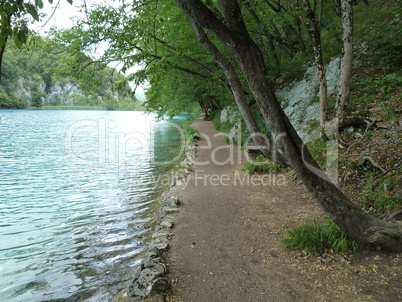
(2, 50)
(270, 41)
(239, 96)
(215, 103)
(365, 229)
(314, 31)
(346, 61)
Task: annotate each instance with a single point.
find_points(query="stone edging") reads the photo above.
(151, 276)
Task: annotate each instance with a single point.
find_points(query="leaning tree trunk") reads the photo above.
(270, 40)
(346, 60)
(239, 96)
(365, 229)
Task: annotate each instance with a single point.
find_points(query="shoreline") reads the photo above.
(225, 244)
(150, 280)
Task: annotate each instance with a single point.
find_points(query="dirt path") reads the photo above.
(226, 239)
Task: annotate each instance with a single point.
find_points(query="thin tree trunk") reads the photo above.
(2, 50)
(322, 94)
(358, 225)
(314, 31)
(346, 60)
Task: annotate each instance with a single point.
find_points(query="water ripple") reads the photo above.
(76, 214)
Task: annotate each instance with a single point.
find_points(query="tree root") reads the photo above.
(364, 134)
(382, 174)
(341, 143)
(385, 238)
(371, 164)
(395, 216)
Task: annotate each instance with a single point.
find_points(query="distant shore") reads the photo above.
(74, 108)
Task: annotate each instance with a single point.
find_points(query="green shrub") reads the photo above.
(260, 165)
(188, 130)
(318, 238)
(216, 120)
(9, 100)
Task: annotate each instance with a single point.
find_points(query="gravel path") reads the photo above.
(226, 239)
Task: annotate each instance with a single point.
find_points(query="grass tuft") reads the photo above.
(317, 238)
(261, 165)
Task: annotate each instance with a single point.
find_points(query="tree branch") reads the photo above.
(202, 15)
(3, 47)
(188, 58)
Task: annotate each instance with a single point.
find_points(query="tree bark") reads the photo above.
(346, 60)
(270, 40)
(314, 31)
(239, 96)
(365, 229)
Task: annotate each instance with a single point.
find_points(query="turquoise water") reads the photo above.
(78, 194)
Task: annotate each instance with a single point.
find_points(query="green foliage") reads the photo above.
(188, 130)
(15, 18)
(312, 125)
(73, 108)
(28, 77)
(388, 83)
(5, 99)
(378, 87)
(377, 32)
(36, 97)
(157, 37)
(318, 238)
(294, 68)
(262, 125)
(387, 203)
(384, 35)
(318, 150)
(223, 127)
(242, 137)
(331, 38)
(382, 196)
(260, 164)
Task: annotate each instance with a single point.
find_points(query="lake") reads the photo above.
(79, 192)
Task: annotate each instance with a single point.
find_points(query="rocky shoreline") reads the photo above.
(150, 281)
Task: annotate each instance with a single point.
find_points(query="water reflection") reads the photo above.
(75, 222)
